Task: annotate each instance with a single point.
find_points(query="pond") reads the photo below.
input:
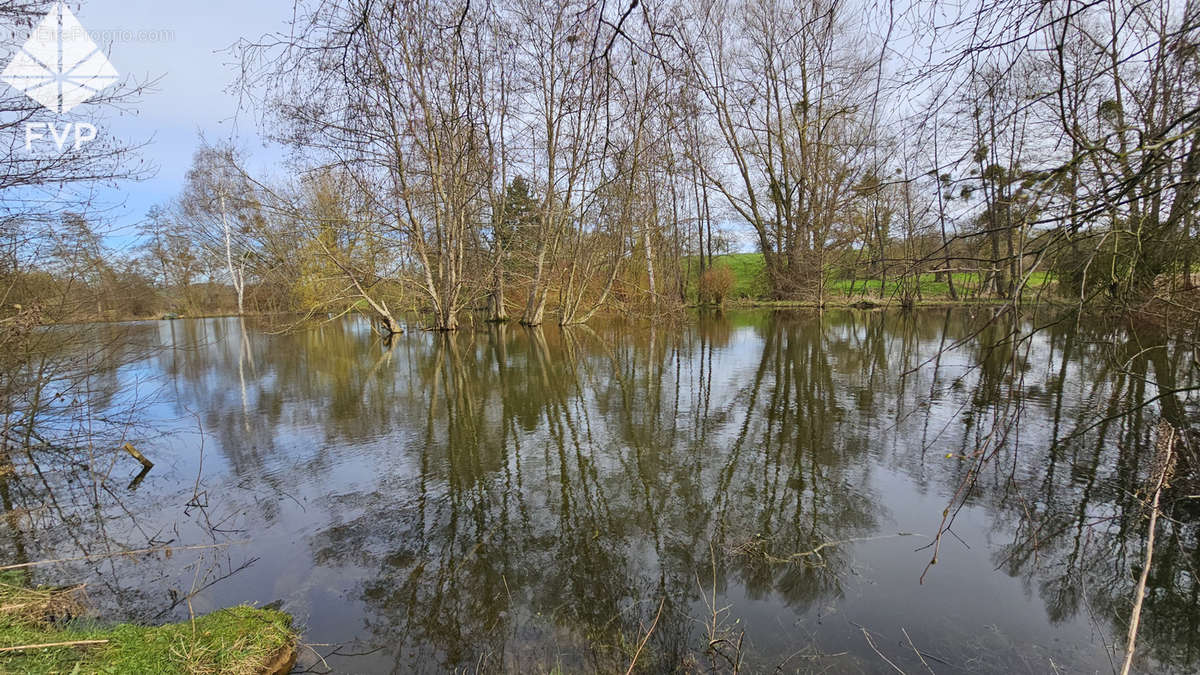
(752, 490)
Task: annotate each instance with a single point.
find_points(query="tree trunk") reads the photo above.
(238, 284)
(535, 305)
(650, 264)
(496, 310)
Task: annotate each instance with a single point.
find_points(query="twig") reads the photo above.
(192, 612)
(312, 648)
(74, 643)
(872, 643)
(918, 651)
(638, 653)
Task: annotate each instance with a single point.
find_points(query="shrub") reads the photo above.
(715, 285)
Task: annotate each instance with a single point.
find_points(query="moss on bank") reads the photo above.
(239, 640)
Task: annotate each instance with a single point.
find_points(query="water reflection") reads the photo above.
(750, 485)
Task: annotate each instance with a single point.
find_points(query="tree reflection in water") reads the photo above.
(527, 499)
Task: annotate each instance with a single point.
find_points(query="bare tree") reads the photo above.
(389, 93)
(224, 211)
(785, 90)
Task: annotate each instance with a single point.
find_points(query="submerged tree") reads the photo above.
(393, 95)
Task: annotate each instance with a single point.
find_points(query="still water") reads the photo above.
(756, 490)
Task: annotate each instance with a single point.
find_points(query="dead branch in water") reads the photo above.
(916, 651)
(1165, 461)
(876, 650)
(718, 634)
(642, 644)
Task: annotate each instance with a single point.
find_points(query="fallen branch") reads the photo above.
(1166, 456)
(74, 643)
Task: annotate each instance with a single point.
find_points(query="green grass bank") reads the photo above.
(41, 632)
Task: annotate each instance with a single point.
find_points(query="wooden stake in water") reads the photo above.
(128, 447)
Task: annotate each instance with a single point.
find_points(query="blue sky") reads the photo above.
(182, 44)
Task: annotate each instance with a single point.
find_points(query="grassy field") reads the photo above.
(751, 286)
(966, 284)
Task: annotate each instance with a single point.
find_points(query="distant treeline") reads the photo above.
(551, 161)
